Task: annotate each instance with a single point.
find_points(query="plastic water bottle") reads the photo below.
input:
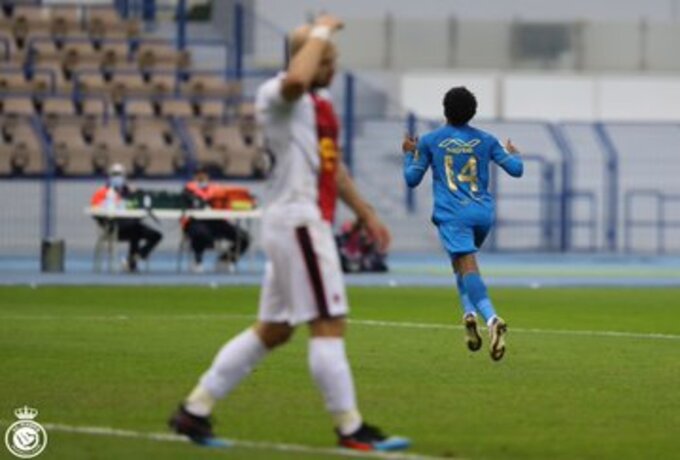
(110, 202)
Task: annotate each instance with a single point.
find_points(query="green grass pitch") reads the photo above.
(124, 357)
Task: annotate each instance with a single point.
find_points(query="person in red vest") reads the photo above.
(143, 239)
(203, 233)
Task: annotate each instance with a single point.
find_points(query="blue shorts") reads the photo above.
(461, 238)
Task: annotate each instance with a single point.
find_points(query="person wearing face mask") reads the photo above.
(203, 233)
(112, 196)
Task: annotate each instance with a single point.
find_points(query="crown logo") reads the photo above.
(26, 413)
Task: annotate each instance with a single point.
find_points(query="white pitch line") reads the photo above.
(359, 322)
(258, 445)
(630, 335)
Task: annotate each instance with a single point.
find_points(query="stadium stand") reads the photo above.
(78, 84)
(87, 81)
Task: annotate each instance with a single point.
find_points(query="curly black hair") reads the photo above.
(460, 105)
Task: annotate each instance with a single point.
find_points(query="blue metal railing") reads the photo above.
(187, 145)
(589, 224)
(611, 181)
(547, 198)
(661, 223)
(238, 39)
(48, 182)
(410, 196)
(7, 45)
(348, 124)
(567, 154)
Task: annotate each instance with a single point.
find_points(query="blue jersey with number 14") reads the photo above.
(459, 157)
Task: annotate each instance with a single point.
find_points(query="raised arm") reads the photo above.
(508, 158)
(349, 194)
(308, 48)
(416, 160)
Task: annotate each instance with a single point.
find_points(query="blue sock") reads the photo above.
(466, 303)
(476, 290)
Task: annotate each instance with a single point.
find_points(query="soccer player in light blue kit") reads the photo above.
(459, 156)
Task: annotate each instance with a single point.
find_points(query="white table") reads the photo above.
(108, 236)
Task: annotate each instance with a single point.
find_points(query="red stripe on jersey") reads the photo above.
(328, 129)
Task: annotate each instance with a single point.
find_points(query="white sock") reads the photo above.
(233, 362)
(490, 321)
(330, 369)
(200, 402)
(347, 422)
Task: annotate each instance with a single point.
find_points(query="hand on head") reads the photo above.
(332, 22)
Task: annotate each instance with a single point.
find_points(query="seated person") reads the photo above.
(203, 233)
(358, 251)
(143, 239)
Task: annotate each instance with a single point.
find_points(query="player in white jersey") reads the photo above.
(303, 281)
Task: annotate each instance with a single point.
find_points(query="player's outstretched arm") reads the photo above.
(415, 162)
(350, 195)
(307, 47)
(508, 157)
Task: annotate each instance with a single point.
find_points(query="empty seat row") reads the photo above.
(147, 56)
(86, 145)
(115, 86)
(233, 149)
(197, 86)
(73, 158)
(57, 108)
(61, 22)
(114, 70)
(16, 81)
(21, 152)
(161, 108)
(50, 106)
(70, 14)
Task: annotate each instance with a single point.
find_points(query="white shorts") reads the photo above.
(303, 279)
